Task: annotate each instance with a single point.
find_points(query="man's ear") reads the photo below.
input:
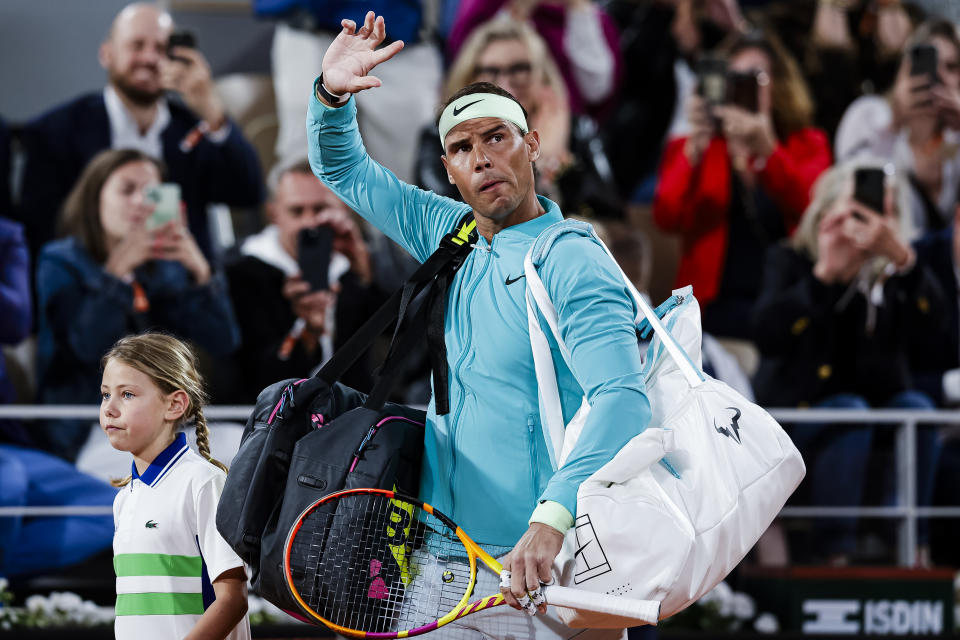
(532, 140)
(105, 54)
(443, 159)
(177, 404)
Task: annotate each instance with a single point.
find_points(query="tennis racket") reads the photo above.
(372, 563)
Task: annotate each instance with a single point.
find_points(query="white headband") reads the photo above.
(481, 105)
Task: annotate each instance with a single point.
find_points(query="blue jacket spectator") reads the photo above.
(133, 112)
(113, 277)
(403, 16)
(15, 311)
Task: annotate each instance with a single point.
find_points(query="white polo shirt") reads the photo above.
(166, 547)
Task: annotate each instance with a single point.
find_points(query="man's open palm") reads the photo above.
(353, 54)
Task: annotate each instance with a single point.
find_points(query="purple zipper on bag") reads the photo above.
(371, 432)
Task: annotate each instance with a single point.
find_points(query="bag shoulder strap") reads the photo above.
(441, 266)
(537, 255)
(538, 300)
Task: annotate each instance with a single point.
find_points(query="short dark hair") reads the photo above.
(296, 165)
(80, 216)
(479, 87)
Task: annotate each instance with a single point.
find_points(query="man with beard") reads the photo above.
(203, 151)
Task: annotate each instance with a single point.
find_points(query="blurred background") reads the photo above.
(796, 161)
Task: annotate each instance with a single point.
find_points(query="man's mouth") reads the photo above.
(489, 184)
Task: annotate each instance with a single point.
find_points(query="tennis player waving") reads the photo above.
(485, 461)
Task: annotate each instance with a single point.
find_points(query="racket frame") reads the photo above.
(462, 608)
(646, 610)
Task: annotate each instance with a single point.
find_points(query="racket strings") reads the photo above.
(371, 563)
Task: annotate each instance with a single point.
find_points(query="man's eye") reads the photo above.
(104, 397)
(127, 395)
(498, 137)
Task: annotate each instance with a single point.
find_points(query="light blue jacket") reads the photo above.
(485, 463)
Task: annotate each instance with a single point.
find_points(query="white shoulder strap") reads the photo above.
(548, 394)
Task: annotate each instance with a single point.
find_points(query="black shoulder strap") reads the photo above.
(436, 272)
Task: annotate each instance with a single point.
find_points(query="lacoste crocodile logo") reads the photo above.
(151, 524)
(734, 431)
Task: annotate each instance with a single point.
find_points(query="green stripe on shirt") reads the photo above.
(159, 604)
(157, 564)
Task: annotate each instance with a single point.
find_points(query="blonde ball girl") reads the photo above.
(176, 576)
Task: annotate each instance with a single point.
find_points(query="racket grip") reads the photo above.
(646, 610)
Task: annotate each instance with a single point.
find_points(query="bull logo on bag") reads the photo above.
(733, 432)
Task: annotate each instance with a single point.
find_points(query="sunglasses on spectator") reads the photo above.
(518, 73)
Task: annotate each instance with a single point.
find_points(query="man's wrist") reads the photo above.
(326, 97)
(552, 514)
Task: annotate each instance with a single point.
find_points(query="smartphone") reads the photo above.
(869, 188)
(181, 38)
(314, 247)
(165, 198)
(923, 61)
(743, 90)
(712, 79)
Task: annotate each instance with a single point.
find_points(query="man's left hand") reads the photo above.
(190, 76)
(530, 564)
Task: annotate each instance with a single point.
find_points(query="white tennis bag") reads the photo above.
(683, 502)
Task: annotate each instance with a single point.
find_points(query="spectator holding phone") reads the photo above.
(741, 179)
(113, 275)
(203, 151)
(579, 35)
(916, 125)
(836, 314)
(512, 56)
(300, 287)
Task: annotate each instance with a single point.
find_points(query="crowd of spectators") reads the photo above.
(744, 130)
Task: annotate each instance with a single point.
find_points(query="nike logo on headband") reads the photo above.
(457, 111)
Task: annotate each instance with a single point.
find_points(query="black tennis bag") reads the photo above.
(308, 438)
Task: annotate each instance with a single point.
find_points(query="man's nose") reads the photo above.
(150, 55)
(480, 160)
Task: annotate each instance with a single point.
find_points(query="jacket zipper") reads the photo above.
(532, 441)
(456, 374)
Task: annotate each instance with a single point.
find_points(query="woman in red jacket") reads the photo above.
(741, 180)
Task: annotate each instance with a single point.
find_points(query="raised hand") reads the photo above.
(877, 234)
(173, 241)
(701, 128)
(353, 54)
(838, 260)
(189, 74)
(310, 306)
(131, 252)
